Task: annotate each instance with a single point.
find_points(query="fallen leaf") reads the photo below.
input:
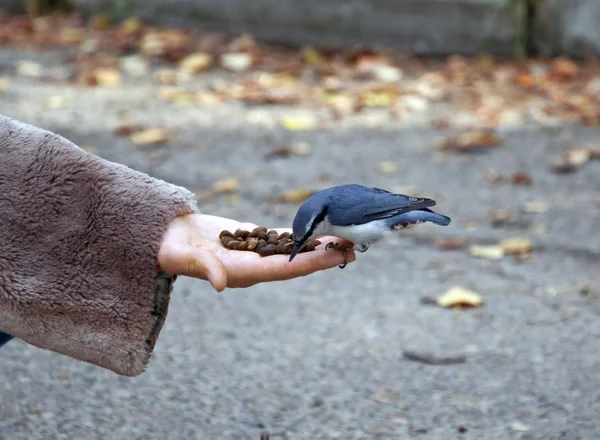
(535, 207)
(385, 73)
(520, 427)
(522, 178)
(572, 160)
(459, 297)
(149, 136)
(564, 68)
(72, 35)
(449, 244)
(490, 252)
(469, 142)
(165, 76)
(134, 65)
(297, 195)
(299, 122)
(227, 185)
(312, 56)
(126, 129)
(297, 149)
(517, 245)
(387, 167)
(29, 68)
(100, 22)
(499, 217)
(107, 77)
(236, 62)
(196, 62)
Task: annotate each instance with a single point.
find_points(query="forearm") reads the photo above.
(78, 246)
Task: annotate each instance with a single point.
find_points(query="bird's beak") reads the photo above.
(295, 249)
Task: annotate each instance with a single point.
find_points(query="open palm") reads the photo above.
(191, 247)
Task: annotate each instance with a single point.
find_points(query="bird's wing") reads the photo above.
(385, 205)
(374, 204)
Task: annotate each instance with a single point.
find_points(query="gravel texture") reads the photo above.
(322, 357)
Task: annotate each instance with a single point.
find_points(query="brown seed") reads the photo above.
(267, 250)
(253, 233)
(252, 243)
(316, 242)
(310, 247)
(226, 239)
(225, 233)
(260, 229)
(261, 244)
(263, 235)
(280, 246)
(287, 248)
(237, 245)
(302, 248)
(273, 232)
(284, 235)
(238, 233)
(245, 234)
(272, 239)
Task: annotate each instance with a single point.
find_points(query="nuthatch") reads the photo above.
(360, 214)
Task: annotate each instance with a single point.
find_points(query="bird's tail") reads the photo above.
(422, 215)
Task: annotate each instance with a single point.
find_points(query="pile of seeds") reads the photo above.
(263, 242)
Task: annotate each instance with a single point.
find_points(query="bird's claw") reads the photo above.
(341, 248)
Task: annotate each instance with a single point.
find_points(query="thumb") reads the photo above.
(198, 263)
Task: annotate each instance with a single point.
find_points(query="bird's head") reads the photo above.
(309, 222)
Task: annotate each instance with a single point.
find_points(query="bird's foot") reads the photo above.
(341, 248)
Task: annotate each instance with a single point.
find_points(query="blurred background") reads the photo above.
(486, 329)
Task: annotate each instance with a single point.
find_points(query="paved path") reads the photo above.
(321, 357)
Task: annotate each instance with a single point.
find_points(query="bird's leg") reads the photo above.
(341, 248)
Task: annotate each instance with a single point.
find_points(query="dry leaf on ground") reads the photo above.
(535, 207)
(446, 244)
(459, 297)
(488, 252)
(196, 62)
(299, 122)
(297, 195)
(227, 185)
(297, 149)
(149, 136)
(522, 178)
(516, 245)
(469, 142)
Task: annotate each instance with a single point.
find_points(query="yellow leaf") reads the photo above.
(378, 99)
(100, 21)
(3, 84)
(107, 77)
(312, 56)
(131, 25)
(72, 35)
(487, 252)
(149, 136)
(299, 123)
(517, 245)
(196, 62)
(296, 195)
(236, 62)
(458, 297)
(165, 76)
(227, 185)
(535, 207)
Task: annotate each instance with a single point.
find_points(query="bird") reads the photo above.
(360, 214)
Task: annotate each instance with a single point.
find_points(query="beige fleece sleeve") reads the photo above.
(79, 238)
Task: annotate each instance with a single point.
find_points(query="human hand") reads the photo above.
(191, 247)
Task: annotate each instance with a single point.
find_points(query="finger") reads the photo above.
(197, 263)
(279, 268)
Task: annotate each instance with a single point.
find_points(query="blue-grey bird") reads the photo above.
(360, 214)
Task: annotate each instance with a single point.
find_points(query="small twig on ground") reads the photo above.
(431, 358)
